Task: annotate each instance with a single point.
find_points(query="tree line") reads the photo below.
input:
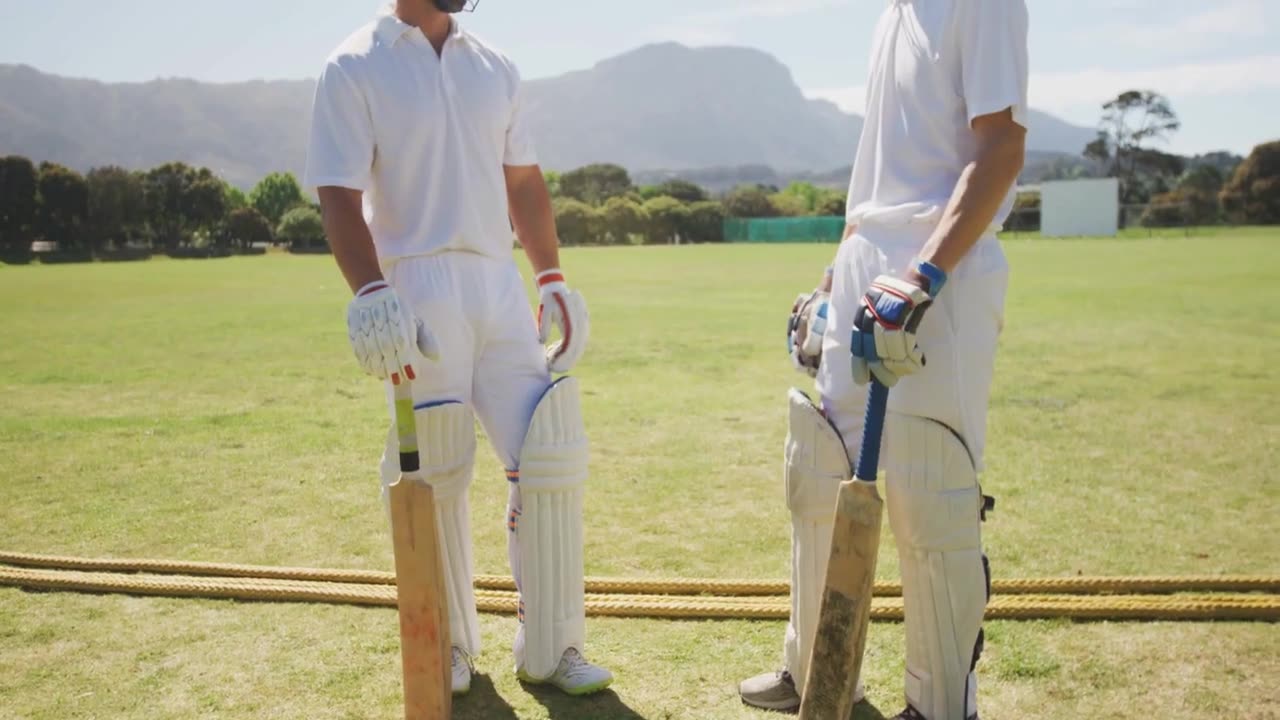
(600, 205)
(1176, 191)
(184, 211)
(114, 213)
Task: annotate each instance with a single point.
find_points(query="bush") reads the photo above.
(1165, 210)
(199, 253)
(302, 230)
(1025, 216)
(125, 254)
(705, 223)
(576, 222)
(668, 218)
(621, 219)
(16, 256)
(749, 202)
(245, 228)
(1253, 193)
(64, 257)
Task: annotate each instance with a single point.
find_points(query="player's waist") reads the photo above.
(903, 221)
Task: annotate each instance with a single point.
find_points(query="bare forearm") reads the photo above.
(982, 188)
(349, 237)
(534, 221)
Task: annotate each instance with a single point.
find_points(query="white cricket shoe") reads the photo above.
(462, 670)
(574, 675)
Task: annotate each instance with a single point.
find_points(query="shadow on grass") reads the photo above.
(483, 702)
(866, 711)
(604, 705)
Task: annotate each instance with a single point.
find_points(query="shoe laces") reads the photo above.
(573, 663)
(460, 655)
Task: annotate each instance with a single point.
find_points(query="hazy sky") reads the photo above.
(1217, 60)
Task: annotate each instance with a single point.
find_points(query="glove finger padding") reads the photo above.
(885, 376)
(575, 329)
(548, 318)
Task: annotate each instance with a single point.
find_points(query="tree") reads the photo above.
(165, 188)
(594, 184)
(19, 185)
(117, 206)
(682, 190)
(788, 205)
(806, 192)
(1253, 193)
(705, 222)
(301, 229)
(1130, 123)
(246, 227)
(235, 197)
(749, 202)
(623, 218)
(577, 223)
(552, 179)
(1202, 178)
(275, 195)
(831, 203)
(64, 206)
(205, 202)
(667, 216)
(1025, 216)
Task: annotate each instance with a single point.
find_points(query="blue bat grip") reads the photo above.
(872, 430)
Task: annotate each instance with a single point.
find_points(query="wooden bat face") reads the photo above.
(841, 636)
(425, 647)
(424, 620)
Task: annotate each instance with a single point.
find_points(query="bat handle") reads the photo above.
(406, 428)
(872, 431)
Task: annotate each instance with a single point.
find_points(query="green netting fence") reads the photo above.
(784, 230)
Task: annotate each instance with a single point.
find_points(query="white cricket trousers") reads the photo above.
(958, 335)
(490, 360)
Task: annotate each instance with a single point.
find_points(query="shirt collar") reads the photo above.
(390, 28)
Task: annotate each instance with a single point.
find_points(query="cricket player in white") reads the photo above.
(941, 149)
(423, 164)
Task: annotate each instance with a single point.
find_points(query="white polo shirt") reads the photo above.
(424, 136)
(935, 66)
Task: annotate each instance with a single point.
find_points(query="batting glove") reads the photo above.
(565, 310)
(805, 330)
(884, 327)
(383, 334)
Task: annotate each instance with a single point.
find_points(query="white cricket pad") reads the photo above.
(815, 465)
(447, 446)
(935, 511)
(548, 532)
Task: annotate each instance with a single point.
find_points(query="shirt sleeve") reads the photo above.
(520, 150)
(993, 57)
(341, 147)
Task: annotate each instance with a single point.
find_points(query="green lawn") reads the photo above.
(210, 410)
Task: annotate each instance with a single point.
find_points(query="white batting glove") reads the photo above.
(565, 310)
(884, 327)
(805, 331)
(384, 334)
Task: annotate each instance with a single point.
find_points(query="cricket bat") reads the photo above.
(425, 649)
(841, 636)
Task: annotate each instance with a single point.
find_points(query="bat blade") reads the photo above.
(424, 620)
(841, 636)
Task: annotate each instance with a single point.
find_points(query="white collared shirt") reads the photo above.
(936, 65)
(424, 136)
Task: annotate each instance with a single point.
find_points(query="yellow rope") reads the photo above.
(1013, 607)
(727, 588)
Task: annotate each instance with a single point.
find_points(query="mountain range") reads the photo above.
(659, 110)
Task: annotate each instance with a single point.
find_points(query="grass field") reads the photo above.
(211, 411)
